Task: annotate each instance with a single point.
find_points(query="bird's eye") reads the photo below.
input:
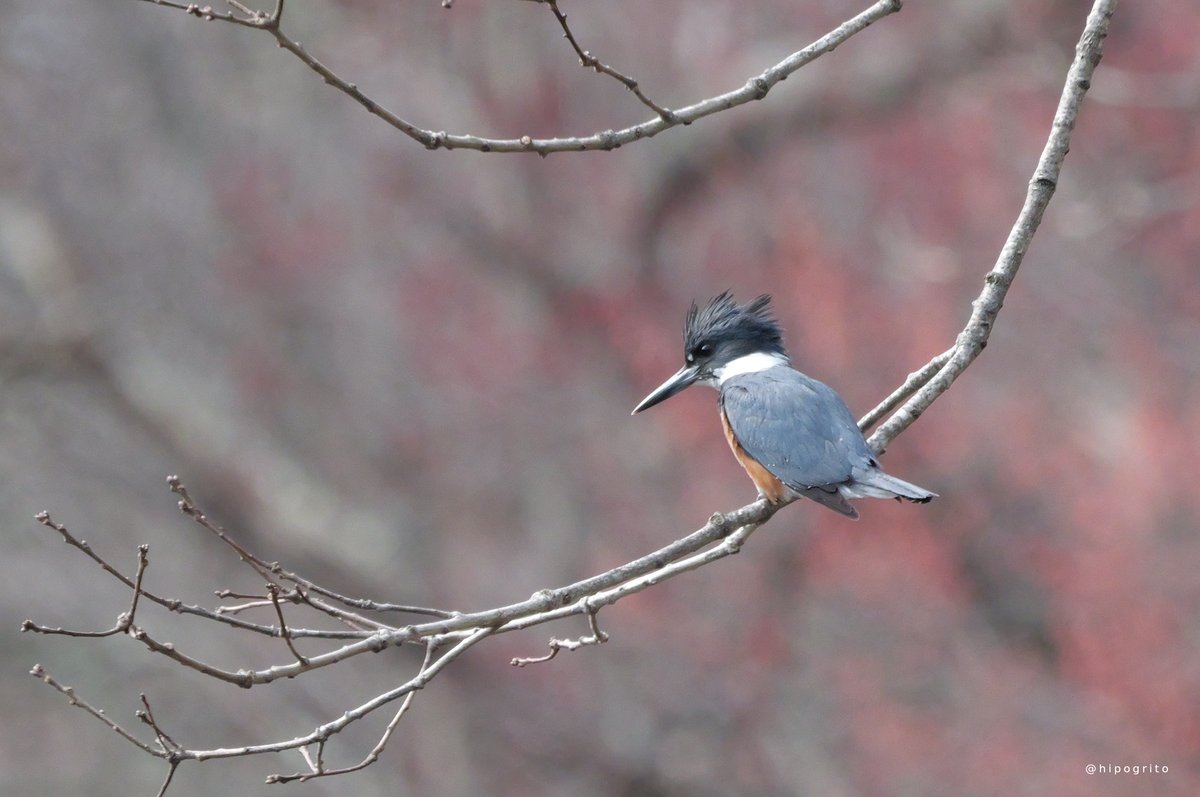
(704, 349)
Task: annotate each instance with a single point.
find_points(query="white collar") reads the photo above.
(749, 364)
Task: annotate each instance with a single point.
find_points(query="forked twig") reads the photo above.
(318, 766)
(597, 637)
(147, 716)
(39, 672)
(124, 621)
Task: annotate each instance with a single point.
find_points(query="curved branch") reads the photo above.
(974, 337)
(754, 89)
(544, 606)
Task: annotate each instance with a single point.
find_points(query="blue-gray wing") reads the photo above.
(796, 427)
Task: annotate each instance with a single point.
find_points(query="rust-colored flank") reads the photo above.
(768, 486)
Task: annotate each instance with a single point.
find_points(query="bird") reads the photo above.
(793, 435)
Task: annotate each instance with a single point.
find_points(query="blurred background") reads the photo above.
(408, 375)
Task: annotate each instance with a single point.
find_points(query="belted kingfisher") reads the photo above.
(793, 435)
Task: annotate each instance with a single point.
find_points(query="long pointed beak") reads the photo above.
(683, 378)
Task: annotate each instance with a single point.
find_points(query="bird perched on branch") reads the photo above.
(793, 435)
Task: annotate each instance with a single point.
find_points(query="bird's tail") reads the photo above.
(874, 483)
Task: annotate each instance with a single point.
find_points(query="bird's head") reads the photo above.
(721, 340)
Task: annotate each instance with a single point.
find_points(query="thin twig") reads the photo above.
(273, 591)
(589, 61)
(143, 562)
(364, 625)
(124, 621)
(914, 381)
(597, 637)
(249, 12)
(37, 671)
(147, 716)
(188, 507)
(207, 13)
(362, 603)
(174, 765)
(252, 602)
(315, 764)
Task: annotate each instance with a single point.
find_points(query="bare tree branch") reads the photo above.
(267, 569)
(189, 508)
(171, 603)
(755, 88)
(974, 337)
(37, 671)
(462, 631)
